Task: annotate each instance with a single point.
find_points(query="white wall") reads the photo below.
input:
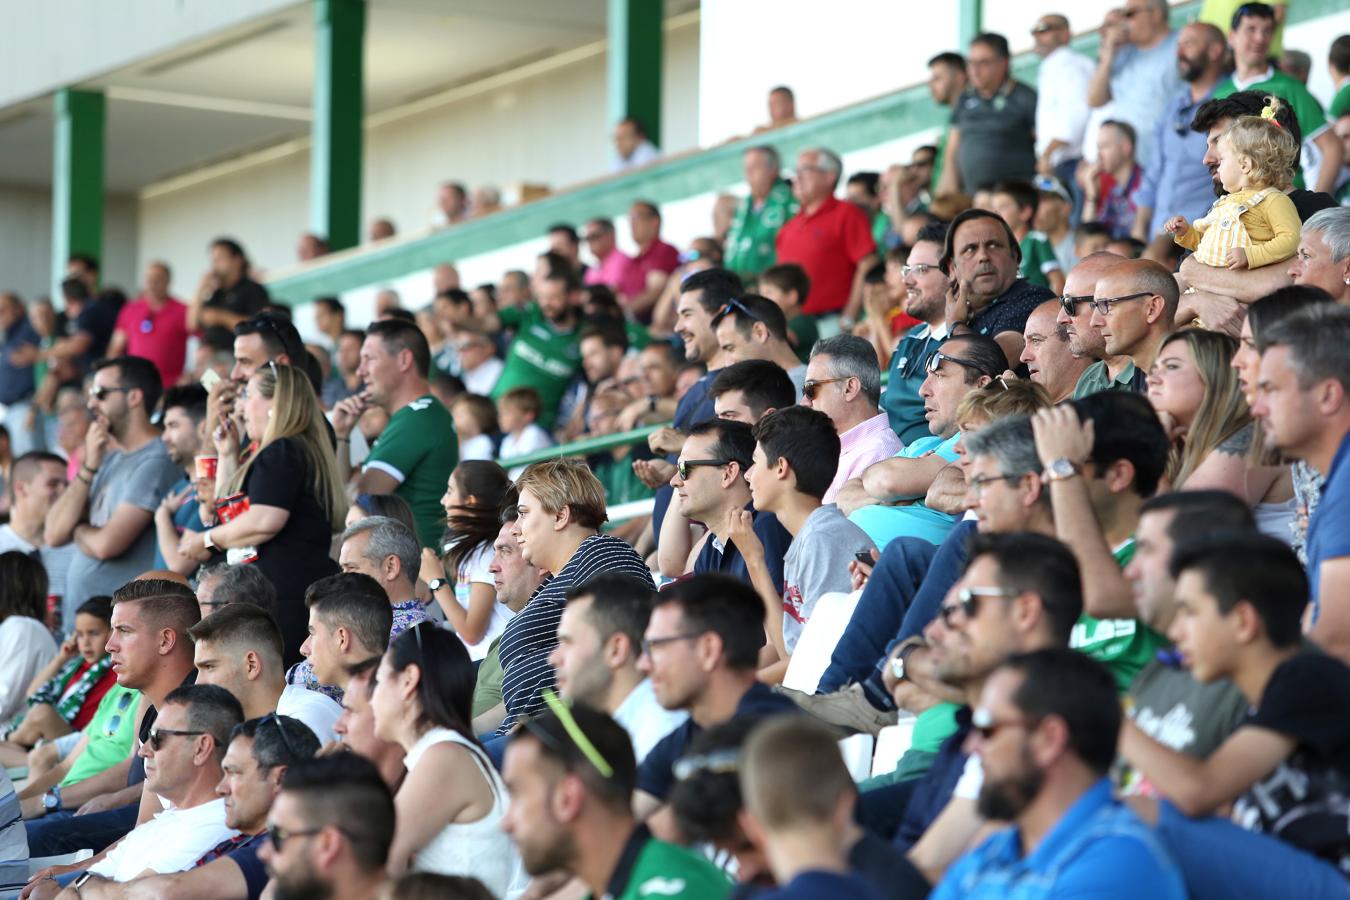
(550, 129)
(830, 54)
(26, 241)
(69, 41)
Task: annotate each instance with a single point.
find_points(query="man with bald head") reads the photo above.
(1075, 316)
(1134, 308)
(1047, 353)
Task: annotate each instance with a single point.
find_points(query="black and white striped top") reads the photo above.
(533, 633)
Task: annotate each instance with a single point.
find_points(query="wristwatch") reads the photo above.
(207, 542)
(51, 801)
(1061, 469)
(436, 584)
(898, 661)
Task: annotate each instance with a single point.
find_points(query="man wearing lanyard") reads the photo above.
(926, 299)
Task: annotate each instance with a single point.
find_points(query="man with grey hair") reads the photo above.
(222, 584)
(386, 550)
(843, 380)
(750, 242)
(1323, 257)
(1303, 402)
(831, 239)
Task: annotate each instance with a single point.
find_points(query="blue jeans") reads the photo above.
(881, 608)
(64, 832)
(495, 746)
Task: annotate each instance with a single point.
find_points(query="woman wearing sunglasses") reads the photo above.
(292, 499)
(451, 803)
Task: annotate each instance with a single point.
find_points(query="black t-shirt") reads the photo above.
(1305, 801)
(887, 869)
(98, 318)
(298, 555)
(246, 298)
(1308, 202)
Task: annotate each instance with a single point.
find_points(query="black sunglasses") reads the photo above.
(684, 466)
(1069, 302)
(98, 393)
(279, 836)
(935, 362)
(157, 736)
(733, 305)
(968, 602)
(276, 720)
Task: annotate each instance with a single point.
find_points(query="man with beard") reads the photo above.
(546, 352)
(331, 828)
(926, 300)
(599, 642)
(1020, 592)
(571, 775)
(1045, 733)
(1175, 181)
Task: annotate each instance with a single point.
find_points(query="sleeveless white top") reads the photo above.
(475, 849)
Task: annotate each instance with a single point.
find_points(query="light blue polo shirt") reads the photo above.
(884, 524)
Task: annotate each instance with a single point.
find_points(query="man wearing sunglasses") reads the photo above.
(1133, 308)
(1019, 592)
(1045, 731)
(1136, 66)
(107, 510)
(709, 487)
(183, 755)
(1075, 317)
(754, 327)
(259, 754)
(330, 830)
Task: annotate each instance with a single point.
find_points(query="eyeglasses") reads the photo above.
(157, 736)
(573, 730)
(983, 723)
(810, 386)
(1103, 306)
(918, 270)
(279, 836)
(734, 305)
(1043, 27)
(1069, 302)
(935, 362)
(650, 644)
(685, 465)
(968, 602)
(978, 482)
(97, 392)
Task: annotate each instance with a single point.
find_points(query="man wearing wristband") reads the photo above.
(107, 510)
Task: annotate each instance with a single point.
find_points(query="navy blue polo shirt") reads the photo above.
(725, 559)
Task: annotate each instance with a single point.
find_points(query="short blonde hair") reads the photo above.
(1269, 145)
(1000, 399)
(570, 483)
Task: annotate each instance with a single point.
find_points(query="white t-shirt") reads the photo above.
(531, 438)
(483, 379)
(25, 647)
(473, 569)
(172, 841)
(316, 710)
(646, 720)
(477, 447)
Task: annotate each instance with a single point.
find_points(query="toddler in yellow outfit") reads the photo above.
(1255, 224)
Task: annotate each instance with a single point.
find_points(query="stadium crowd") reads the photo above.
(1028, 454)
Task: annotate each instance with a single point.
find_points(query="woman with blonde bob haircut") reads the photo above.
(1198, 395)
(295, 499)
(559, 513)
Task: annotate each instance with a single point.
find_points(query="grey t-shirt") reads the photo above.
(817, 563)
(1174, 709)
(142, 479)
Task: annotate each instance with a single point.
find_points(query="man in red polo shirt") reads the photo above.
(153, 327)
(830, 238)
(644, 275)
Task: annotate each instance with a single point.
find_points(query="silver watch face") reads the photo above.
(898, 668)
(1062, 468)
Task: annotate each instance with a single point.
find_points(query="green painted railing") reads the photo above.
(585, 446)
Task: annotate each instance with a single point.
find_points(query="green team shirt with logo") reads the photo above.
(669, 872)
(1124, 646)
(1038, 259)
(751, 241)
(541, 357)
(419, 449)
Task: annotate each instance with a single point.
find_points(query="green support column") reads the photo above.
(335, 154)
(77, 180)
(970, 21)
(635, 45)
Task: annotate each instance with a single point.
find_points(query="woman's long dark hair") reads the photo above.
(471, 527)
(445, 688)
(23, 586)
